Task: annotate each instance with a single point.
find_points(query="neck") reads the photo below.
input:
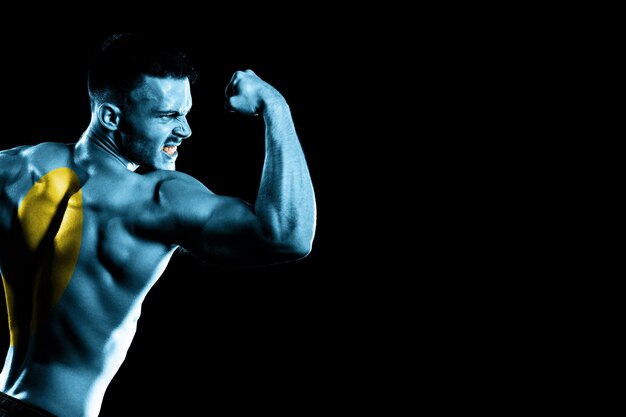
(101, 145)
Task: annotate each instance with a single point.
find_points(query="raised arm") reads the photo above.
(285, 203)
(281, 224)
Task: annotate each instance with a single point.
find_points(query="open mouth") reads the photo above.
(170, 150)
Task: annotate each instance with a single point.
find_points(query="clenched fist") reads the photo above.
(246, 93)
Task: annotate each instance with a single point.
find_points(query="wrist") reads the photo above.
(275, 103)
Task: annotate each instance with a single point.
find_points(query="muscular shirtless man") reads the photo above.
(83, 237)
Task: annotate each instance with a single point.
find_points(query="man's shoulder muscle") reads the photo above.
(12, 158)
(172, 186)
(36, 158)
(181, 195)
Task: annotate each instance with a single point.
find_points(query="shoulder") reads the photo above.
(27, 164)
(51, 153)
(171, 180)
(14, 161)
(188, 201)
(41, 157)
(37, 150)
(176, 189)
(14, 154)
(13, 151)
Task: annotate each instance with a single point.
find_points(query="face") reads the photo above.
(154, 124)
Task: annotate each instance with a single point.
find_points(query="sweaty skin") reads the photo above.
(83, 237)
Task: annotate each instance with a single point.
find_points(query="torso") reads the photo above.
(86, 242)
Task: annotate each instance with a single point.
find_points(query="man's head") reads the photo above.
(139, 89)
(124, 59)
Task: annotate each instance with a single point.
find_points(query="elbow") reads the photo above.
(297, 248)
(302, 249)
(291, 244)
(294, 248)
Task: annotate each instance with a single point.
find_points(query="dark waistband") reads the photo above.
(12, 407)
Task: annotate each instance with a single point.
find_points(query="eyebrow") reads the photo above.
(176, 112)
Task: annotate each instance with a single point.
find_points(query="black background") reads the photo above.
(274, 339)
(406, 119)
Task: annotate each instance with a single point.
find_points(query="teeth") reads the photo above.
(170, 150)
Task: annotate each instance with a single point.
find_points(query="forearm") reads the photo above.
(285, 202)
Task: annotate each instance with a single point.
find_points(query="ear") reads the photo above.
(109, 116)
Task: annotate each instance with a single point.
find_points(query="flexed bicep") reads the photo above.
(217, 228)
(280, 226)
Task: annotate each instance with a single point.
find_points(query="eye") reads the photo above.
(169, 116)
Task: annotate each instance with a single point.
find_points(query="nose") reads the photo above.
(183, 130)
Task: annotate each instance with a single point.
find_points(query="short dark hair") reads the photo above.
(124, 59)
